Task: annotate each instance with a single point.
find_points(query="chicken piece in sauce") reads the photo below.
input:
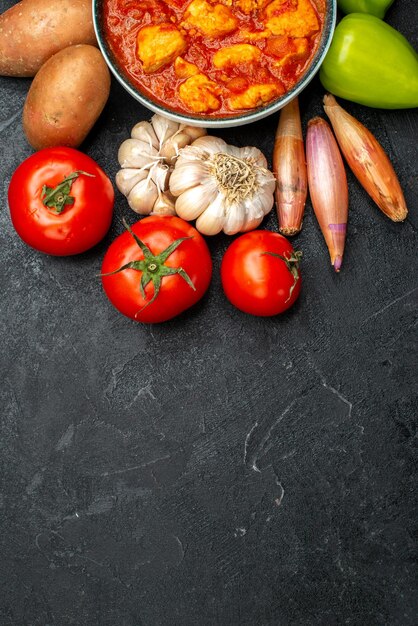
(297, 18)
(184, 69)
(236, 54)
(249, 6)
(200, 94)
(212, 20)
(286, 49)
(255, 96)
(159, 45)
(257, 35)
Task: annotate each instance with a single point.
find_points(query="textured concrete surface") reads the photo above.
(218, 469)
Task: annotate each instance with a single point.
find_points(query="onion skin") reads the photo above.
(367, 160)
(289, 168)
(328, 187)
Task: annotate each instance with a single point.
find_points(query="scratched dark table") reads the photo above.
(218, 469)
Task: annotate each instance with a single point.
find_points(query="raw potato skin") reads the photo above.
(33, 30)
(66, 97)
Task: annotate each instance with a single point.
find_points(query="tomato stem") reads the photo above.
(58, 197)
(153, 267)
(292, 264)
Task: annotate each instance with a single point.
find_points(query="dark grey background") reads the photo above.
(220, 468)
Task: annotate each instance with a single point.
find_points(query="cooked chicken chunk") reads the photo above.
(159, 45)
(248, 6)
(287, 49)
(212, 20)
(233, 55)
(257, 35)
(184, 69)
(300, 21)
(200, 94)
(255, 96)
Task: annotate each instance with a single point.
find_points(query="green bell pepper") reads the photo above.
(374, 7)
(371, 63)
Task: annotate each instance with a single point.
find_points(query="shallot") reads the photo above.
(367, 160)
(289, 167)
(327, 187)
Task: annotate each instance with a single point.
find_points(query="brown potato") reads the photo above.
(33, 30)
(66, 97)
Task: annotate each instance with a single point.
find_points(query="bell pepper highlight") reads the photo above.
(371, 63)
(373, 7)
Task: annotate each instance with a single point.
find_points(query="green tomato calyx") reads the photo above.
(292, 263)
(58, 197)
(153, 267)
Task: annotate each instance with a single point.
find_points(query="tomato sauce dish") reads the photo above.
(214, 62)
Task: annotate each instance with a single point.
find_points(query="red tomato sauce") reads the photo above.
(237, 86)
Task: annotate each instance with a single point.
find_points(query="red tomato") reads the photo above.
(172, 283)
(255, 279)
(80, 209)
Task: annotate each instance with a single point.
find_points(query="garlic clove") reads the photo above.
(256, 207)
(249, 152)
(127, 178)
(145, 132)
(164, 205)
(170, 148)
(142, 197)
(267, 202)
(267, 185)
(234, 151)
(136, 153)
(211, 221)
(160, 174)
(194, 132)
(186, 174)
(210, 144)
(252, 224)
(163, 128)
(195, 200)
(234, 219)
(259, 204)
(253, 208)
(190, 154)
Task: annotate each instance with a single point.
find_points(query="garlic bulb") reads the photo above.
(147, 159)
(221, 186)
